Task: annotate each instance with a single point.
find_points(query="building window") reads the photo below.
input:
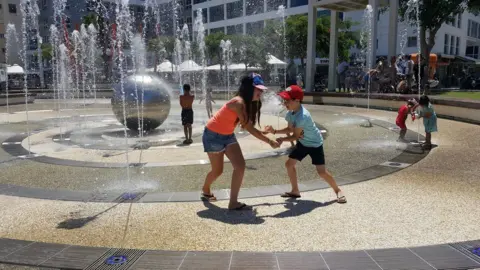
(235, 29)
(254, 7)
(445, 44)
(412, 42)
(12, 8)
(234, 10)
(452, 45)
(217, 13)
(198, 1)
(204, 14)
(2, 35)
(472, 51)
(457, 49)
(297, 3)
(188, 4)
(254, 28)
(0, 6)
(459, 21)
(274, 4)
(217, 30)
(473, 29)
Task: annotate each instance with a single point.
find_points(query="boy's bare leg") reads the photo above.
(323, 173)
(190, 133)
(292, 174)
(185, 131)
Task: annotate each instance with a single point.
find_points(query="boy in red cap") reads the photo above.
(310, 141)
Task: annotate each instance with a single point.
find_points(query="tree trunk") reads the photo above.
(427, 45)
(155, 59)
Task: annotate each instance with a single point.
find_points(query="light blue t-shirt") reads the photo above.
(312, 137)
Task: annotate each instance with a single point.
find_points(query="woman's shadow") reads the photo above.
(294, 208)
(233, 217)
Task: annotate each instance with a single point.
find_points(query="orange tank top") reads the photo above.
(223, 122)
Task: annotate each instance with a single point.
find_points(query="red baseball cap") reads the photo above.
(292, 92)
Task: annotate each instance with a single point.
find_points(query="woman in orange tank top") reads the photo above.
(219, 137)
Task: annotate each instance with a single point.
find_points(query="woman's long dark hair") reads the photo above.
(246, 91)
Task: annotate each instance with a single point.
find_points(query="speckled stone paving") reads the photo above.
(424, 216)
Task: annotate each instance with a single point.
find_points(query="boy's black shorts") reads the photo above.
(187, 117)
(316, 153)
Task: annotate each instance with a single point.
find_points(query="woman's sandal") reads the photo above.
(208, 197)
(341, 199)
(242, 206)
(290, 195)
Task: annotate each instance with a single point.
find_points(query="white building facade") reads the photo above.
(10, 13)
(460, 38)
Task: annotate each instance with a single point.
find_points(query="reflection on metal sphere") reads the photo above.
(156, 100)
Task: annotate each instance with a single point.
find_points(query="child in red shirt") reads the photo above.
(402, 117)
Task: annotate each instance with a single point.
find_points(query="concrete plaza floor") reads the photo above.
(433, 201)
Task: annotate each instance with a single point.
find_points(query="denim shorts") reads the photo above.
(214, 142)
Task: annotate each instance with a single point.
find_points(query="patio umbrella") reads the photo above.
(189, 66)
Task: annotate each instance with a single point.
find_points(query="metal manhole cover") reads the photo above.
(116, 260)
(395, 164)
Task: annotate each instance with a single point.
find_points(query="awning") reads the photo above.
(15, 69)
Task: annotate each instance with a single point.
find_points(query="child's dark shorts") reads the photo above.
(316, 153)
(187, 117)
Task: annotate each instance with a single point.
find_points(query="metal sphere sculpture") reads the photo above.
(155, 99)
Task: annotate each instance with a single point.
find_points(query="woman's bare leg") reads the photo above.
(234, 154)
(216, 161)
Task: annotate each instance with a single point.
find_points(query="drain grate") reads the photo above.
(116, 259)
(469, 249)
(129, 197)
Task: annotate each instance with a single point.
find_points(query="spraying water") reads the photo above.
(83, 65)
(366, 43)
(11, 37)
(281, 12)
(200, 30)
(187, 51)
(77, 61)
(414, 6)
(138, 55)
(226, 52)
(123, 22)
(92, 55)
(29, 10)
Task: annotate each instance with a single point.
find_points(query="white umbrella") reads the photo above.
(241, 67)
(166, 66)
(272, 60)
(15, 69)
(214, 67)
(189, 65)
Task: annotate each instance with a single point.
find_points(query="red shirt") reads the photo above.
(402, 114)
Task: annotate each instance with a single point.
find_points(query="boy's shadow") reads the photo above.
(296, 207)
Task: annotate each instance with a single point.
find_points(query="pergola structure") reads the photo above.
(337, 6)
